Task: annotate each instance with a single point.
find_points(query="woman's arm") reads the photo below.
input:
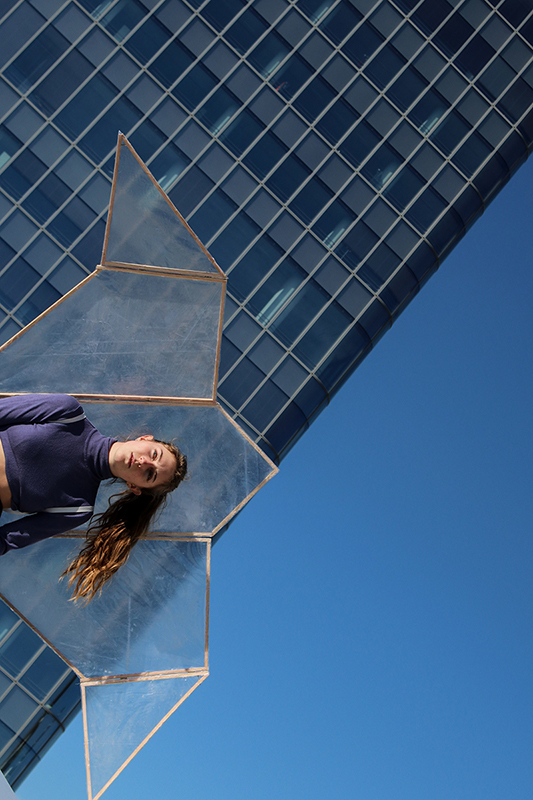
(33, 528)
(25, 409)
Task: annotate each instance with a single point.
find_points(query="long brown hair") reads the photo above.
(112, 534)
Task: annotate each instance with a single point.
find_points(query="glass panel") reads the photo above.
(120, 716)
(153, 611)
(158, 237)
(122, 333)
(18, 649)
(43, 674)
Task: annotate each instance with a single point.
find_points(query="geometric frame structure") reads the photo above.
(139, 342)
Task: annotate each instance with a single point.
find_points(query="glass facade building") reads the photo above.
(329, 153)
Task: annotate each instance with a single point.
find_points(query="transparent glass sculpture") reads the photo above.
(138, 343)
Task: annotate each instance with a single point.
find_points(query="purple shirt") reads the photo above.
(49, 464)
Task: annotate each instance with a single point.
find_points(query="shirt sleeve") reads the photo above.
(26, 409)
(36, 527)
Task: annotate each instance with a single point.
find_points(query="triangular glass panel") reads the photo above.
(151, 617)
(121, 717)
(143, 226)
(122, 333)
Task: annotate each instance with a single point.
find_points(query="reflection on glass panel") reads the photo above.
(122, 18)
(382, 166)
(275, 292)
(338, 24)
(291, 76)
(428, 111)
(241, 133)
(333, 223)
(403, 188)
(9, 145)
(315, 9)
(299, 313)
(252, 267)
(269, 54)
(450, 132)
(96, 341)
(218, 110)
(168, 166)
(356, 245)
(121, 716)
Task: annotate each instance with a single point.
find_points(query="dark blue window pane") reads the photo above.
(252, 267)
(268, 402)
(220, 12)
(337, 121)
(379, 267)
(229, 354)
(102, 137)
(147, 139)
(71, 222)
(89, 250)
(168, 165)
(399, 289)
(46, 198)
(425, 211)
(311, 397)
(172, 62)
(239, 384)
(404, 91)
(9, 145)
(430, 14)
(268, 54)
(66, 698)
(288, 177)
(331, 324)
(474, 57)
(241, 133)
(428, 111)
(314, 9)
(450, 132)
(515, 11)
(362, 44)
(61, 82)
(385, 66)
(212, 215)
(122, 18)
(288, 425)
(41, 299)
(382, 166)
(446, 233)
(148, 40)
(22, 174)
(37, 57)
(333, 223)
(195, 86)
(233, 240)
(275, 292)
(496, 78)
(422, 261)
(453, 35)
(359, 143)
(314, 99)
(291, 76)
(468, 205)
(356, 245)
(403, 188)
(86, 106)
(18, 649)
(344, 357)
(246, 31)
(218, 110)
(517, 100)
(311, 200)
(43, 674)
(299, 313)
(190, 190)
(471, 155)
(339, 22)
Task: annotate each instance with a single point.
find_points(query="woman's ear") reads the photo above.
(133, 488)
(146, 438)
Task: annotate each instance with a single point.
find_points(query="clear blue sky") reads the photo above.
(371, 609)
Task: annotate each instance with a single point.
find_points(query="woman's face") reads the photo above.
(142, 463)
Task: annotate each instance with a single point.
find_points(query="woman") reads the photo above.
(52, 461)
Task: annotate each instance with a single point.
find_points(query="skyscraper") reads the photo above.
(329, 154)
